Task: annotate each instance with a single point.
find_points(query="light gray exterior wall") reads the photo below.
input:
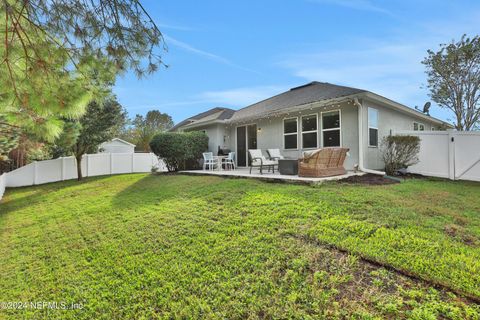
(116, 146)
(270, 131)
(270, 134)
(389, 121)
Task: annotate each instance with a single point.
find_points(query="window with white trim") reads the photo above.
(309, 131)
(372, 127)
(417, 126)
(331, 129)
(290, 133)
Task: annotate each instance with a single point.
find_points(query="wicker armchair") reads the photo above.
(324, 162)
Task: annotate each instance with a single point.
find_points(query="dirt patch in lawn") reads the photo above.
(369, 179)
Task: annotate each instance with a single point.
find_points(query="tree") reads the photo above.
(400, 152)
(454, 80)
(56, 55)
(96, 126)
(180, 150)
(144, 128)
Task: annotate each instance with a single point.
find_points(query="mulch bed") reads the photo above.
(369, 179)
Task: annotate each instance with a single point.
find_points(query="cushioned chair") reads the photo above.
(274, 154)
(324, 162)
(258, 160)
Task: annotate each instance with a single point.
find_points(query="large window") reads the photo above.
(309, 131)
(290, 133)
(418, 126)
(372, 127)
(331, 129)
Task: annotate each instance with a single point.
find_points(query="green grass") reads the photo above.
(142, 246)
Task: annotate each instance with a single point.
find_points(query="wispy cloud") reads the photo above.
(211, 56)
(173, 27)
(192, 49)
(364, 5)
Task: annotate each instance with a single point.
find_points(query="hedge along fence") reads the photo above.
(180, 150)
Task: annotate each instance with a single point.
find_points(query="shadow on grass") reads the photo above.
(33, 195)
(155, 189)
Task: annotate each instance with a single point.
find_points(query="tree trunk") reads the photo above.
(79, 167)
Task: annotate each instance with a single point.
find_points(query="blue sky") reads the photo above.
(234, 53)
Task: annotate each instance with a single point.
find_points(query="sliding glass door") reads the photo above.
(246, 139)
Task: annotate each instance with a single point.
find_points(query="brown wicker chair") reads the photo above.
(324, 162)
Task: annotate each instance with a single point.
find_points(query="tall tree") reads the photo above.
(98, 125)
(454, 80)
(56, 55)
(144, 128)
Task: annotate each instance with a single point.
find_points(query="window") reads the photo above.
(331, 129)
(372, 127)
(418, 126)
(309, 131)
(433, 129)
(290, 133)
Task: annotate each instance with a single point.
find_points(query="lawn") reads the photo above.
(174, 246)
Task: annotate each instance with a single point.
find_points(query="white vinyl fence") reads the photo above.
(98, 164)
(448, 154)
(3, 182)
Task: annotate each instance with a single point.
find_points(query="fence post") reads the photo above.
(62, 159)
(451, 154)
(87, 164)
(133, 162)
(35, 178)
(111, 163)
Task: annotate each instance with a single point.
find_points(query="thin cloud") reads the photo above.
(173, 27)
(189, 48)
(211, 56)
(363, 5)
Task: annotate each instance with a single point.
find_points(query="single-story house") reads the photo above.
(308, 117)
(117, 145)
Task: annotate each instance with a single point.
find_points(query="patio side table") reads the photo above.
(288, 166)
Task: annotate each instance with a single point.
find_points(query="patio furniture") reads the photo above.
(288, 166)
(324, 162)
(229, 161)
(209, 161)
(258, 160)
(275, 154)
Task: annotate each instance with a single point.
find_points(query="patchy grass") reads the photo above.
(142, 246)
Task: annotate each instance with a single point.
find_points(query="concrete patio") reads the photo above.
(269, 176)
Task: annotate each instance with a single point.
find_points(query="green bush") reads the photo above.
(400, 152)
(180, 150)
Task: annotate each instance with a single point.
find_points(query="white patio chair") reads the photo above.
(275, 155)
(209, 161)
(258, 160)
(229, 161)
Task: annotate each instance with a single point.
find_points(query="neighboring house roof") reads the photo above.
(308, 93)
(296, 99)
(119, 140)
(208, 116)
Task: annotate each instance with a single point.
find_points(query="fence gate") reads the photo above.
(448, 154)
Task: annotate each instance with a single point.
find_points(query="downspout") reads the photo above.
(360, 140)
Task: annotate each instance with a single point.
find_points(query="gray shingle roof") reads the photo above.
(311, 92)
(226, 113)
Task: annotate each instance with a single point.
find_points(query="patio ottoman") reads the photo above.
(288, 166)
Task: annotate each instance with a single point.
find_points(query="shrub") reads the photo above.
(180, 150)
(400, 152)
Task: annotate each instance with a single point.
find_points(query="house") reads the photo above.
(117, 145)
(311, 116)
